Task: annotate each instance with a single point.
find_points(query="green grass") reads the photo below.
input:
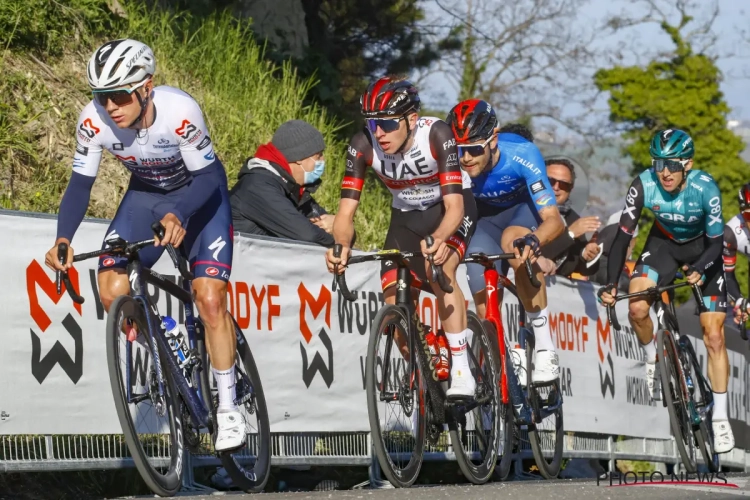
(244, 98)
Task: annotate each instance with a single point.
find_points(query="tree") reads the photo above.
(511, 53)
(352, 41)
(678, 90)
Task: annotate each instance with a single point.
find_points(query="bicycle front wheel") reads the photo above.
(249, 466)
(148, 417)
(675, 392)
(394, 391)
(546, 436)
(476, 434)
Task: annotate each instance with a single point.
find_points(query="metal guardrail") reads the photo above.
(45, 453)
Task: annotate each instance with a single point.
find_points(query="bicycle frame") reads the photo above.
(510, 386)
(191, 395)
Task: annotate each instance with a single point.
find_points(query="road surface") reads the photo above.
(575, 489)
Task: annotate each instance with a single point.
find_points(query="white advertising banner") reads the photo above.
(309, 343)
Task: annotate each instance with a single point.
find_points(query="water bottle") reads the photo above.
(176, 340)
(518, 358)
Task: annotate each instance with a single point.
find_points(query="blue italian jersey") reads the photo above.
(519, 176)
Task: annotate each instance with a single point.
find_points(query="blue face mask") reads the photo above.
(316, 172)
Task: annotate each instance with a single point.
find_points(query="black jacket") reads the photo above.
(267, 201)
(566, 251)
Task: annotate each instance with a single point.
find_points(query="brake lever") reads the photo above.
(177, 260)
(61, 277)
(437, 271)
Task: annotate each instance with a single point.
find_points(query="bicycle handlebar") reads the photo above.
(339, 280)
(117, 246)
(654, 291)
(487, 260)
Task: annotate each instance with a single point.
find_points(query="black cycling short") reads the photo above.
(408, 229)
(662, 257)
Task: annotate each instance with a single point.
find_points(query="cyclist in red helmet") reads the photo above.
(416, 159)
(516, 207)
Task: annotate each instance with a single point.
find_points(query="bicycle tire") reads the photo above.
(703, 433)
(391, 315)
(254, 479)
(548, 469)
(168, 484)
(480, 473)
(505, 456)
(669, 364)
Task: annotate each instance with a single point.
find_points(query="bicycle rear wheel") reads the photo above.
(399, 445)
(546, 437)
(475, 435)
(144, 418)
(249, 466)
(675, 391)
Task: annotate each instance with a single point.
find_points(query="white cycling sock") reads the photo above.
(459, 357)
(650, 349)
(225, 381)
(542, 334)
(720, 406)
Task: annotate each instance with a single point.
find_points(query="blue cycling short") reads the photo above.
(208, 239)
(489, 232)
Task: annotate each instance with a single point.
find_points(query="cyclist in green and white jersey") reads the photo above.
(687, 234)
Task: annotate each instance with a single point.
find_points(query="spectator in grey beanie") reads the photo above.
(273, 194)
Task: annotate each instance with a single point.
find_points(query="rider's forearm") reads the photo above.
(733, 287)
(549, 229)
(454, 214)
(617, 254)
(709, 255)
(343, 231)
(74, 204)
(204, 184)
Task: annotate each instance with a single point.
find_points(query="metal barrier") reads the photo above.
(40, 453)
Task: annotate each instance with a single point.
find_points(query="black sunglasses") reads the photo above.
(673, 166)
(473, 149)
(120, 97)
(564, 185)
(386, 124)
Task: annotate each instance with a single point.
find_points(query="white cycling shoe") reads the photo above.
(546, 367)
(723, 437)
(231, 430)
(463, 384)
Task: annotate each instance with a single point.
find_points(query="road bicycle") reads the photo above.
(537, 407)
(409, 387)
(163, 393)
(686, 393)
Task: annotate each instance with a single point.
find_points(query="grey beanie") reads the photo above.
(297, 140)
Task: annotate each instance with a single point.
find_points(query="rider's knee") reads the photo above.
(638, 311)
(110, 288)
(713, 337)
(211, 301)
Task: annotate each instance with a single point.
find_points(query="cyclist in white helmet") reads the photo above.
(158, 133)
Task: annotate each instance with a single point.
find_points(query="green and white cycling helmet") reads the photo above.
(119, 63)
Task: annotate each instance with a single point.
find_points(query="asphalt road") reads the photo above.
(575, 489)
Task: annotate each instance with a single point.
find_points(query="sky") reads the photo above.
(733, 52)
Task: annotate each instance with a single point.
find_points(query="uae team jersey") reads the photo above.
(417, 178)
(162, 156)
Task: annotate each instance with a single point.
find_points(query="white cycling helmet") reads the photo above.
(120, 62)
